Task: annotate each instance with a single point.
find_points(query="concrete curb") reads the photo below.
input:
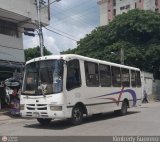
(2, 112)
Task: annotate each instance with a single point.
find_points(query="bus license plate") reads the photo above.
(35, 114)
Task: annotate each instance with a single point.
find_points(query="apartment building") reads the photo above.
(15, 15)
(111, 8)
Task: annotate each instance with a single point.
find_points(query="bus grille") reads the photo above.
(36, 106)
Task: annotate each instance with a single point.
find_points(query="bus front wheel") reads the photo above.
(44, 121)
(77, 115)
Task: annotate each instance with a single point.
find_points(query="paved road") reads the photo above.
(139, 121)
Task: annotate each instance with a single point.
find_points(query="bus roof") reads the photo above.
(68, 57)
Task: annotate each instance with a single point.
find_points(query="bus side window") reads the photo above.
(105, 75)
(125, 77)
(92, 74)
(138, 79)
(133, 78)
(73, 75)
(116, 77)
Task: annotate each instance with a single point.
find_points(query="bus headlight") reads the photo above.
(56, 108)
(21, 106)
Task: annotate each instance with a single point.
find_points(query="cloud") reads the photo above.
(73, 19)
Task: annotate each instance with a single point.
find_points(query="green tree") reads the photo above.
(31, 53)
(137, 32)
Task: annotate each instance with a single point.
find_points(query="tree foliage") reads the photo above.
(137, 32)
(31, 53)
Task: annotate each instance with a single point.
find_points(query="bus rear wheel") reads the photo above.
(77, 115)
(44, 121)
(123, 110)
(124, 107)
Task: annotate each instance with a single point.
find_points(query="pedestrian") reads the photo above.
(3, 95)
(145, 97)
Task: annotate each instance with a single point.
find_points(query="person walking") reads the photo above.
(145, 97)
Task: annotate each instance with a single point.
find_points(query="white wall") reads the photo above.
(103, 14)
(124, 3)
(25, 8)
(156, 87)
(149, 5)
(11, 48)
(147, 82)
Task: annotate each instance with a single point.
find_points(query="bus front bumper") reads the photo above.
(55, 112)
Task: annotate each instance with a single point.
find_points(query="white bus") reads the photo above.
(73, 86)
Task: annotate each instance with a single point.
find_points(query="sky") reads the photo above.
(71, 18)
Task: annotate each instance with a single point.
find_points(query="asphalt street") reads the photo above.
(139, 121)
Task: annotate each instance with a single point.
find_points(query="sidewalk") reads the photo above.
(3, 111)
(3, 115)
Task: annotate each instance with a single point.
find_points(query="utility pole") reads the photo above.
(40, 33)
(122, 56)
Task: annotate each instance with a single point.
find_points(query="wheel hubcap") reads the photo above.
(77, 114)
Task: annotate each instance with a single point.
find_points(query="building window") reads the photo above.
(92, 75)
(139, 1)
(121, 8)
(127, 6)
(135, 5)
(73, 75)
(8, 28)
(114, 12)
(114, 2)
(116, 76)
(156, 10)
(105, 75)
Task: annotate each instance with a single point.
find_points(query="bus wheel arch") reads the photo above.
(124, 107)
(84, 109)
(77, 113)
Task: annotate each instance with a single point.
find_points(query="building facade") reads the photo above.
(15, 15)
(111, 8)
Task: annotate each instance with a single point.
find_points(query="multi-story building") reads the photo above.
(110, 8)
(15, 15)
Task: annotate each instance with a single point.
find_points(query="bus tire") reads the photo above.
(77, 115)
(124, 107)
(44, 121)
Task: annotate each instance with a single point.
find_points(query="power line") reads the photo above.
(63, 32)
(81, 16)
(54, 1)
(71, 8)
(44, 27)
(60, 34)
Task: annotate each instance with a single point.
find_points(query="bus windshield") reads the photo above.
(43, 78)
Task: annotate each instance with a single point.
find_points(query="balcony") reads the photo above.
(23, 12)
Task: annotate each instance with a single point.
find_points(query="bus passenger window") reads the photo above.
(105, 75)
(73, 75)
(92, 75)
(133, 78)
(116, 77)
(138, 79)
(125, 77)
